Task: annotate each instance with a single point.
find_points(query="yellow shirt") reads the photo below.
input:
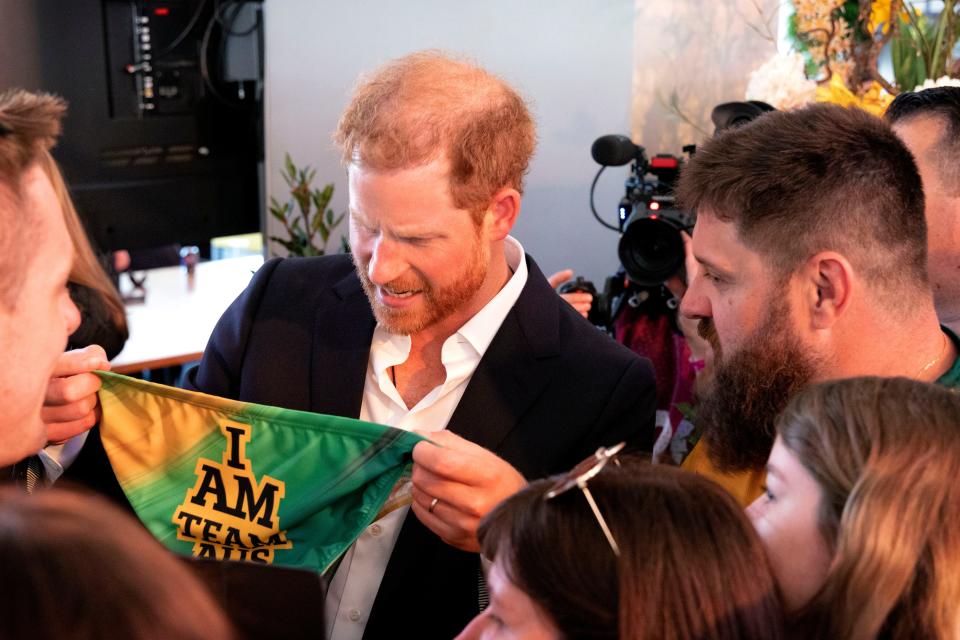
(745, 487)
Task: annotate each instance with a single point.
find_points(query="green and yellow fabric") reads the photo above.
(218, 478)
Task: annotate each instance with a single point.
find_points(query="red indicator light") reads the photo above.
(654, 206)
(653, 217)
(161, 11)
(664, 163)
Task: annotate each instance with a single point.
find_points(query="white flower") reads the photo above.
(781, 82)
(943, 81)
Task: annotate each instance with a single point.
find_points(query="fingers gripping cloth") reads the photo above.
(231, 480)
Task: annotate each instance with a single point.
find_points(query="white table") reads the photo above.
(172, 325)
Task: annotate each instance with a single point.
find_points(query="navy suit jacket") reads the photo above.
(549, 390)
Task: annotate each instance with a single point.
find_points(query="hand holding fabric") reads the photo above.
(71, 405)
(466, 481)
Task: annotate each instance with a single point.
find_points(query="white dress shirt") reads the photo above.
(354, 586)
(58, 457)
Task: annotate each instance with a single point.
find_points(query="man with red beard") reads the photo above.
(811, 254)
(439, 323)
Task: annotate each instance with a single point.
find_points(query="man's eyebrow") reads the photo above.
(710, 265)
(772, 470)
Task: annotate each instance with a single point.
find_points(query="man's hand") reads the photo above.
(71, 405)
(579, 300)
(467, 482)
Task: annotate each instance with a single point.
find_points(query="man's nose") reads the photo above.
(695, 304)
(475, 630)
(71, 315)
(386, 262)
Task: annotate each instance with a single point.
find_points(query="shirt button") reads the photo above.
(354, 615)
(375, 530)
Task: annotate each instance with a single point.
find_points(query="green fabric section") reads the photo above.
(952, 377)
(247, 481)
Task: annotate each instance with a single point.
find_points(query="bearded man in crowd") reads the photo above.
(811, 252)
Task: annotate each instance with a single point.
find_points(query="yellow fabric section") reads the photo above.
(744, 487)
(400, 496)
(134, 451)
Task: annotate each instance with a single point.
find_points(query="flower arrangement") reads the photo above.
(837, 45)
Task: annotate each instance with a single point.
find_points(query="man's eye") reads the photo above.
(495, 619)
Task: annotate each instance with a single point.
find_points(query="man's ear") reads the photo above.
(502, 212)
(830, 279)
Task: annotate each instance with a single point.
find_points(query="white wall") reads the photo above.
(702, 52)
(572, 59)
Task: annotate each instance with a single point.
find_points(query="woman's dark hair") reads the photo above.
(74, 566)
(690, 564)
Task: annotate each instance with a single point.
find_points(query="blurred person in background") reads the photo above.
(103, 319)
(75, 566)
(928, 122)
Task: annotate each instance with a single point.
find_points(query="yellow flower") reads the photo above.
(875, 100)
(879, 16)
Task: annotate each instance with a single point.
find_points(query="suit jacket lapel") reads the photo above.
(344, 326)
(511, 375)
(515, 368)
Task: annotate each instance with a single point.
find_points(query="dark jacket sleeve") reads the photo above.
(220, 368)
(629, 413)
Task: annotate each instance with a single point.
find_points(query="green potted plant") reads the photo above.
(306, 215)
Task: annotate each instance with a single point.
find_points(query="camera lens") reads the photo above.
(651, 250)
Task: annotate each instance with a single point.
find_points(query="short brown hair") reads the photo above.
(885, 453)
(942, 104)
(690, 565)
(428, 105)
(29, 125)
(818, 178)
(75, 566)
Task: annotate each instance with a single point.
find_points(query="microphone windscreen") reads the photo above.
(613, 150)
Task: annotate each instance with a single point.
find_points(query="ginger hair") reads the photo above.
(429, 106)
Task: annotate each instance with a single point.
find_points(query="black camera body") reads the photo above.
(650, 223)
(651, 248)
